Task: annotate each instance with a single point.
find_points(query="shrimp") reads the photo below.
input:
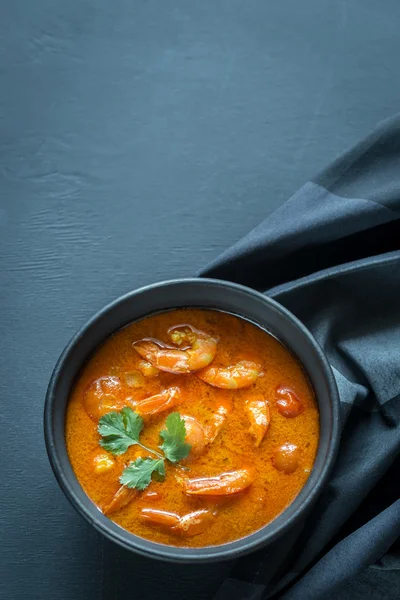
(195, 436)
(121, 498)
(220, 485)
(259, 415)
(200, 437)
(219, 417)
(243, 374)
(288, 403)
(188, 525)
(200, 352)
(103, 397)
(159, 403)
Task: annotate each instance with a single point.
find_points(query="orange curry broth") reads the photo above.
(234, 447)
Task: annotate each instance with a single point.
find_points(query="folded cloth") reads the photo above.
(331, 255)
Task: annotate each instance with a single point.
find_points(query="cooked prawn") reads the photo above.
(103, 396)
(220, 485)
(195, 436)
(198, 436)
(200, 352)
(121, 498)
(243, 374)
(188, 525)
(158, 403)
(219, 417)
(258, 413)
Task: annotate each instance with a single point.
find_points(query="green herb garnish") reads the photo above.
(174, 446)
(120, 430)
(138, 474)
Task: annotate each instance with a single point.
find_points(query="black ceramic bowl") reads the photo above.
(203, 293)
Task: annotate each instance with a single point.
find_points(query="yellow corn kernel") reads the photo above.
(134, 379)
(147, 369)
(103, 463)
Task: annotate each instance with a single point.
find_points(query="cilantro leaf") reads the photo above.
(174, 446)
(138, 473)
(120, 430)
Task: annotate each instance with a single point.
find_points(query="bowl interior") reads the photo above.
(199, 293)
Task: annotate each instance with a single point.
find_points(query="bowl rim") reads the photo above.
(262, 537)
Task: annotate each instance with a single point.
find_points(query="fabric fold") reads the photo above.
(331, 255)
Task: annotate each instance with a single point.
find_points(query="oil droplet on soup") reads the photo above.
(250, 413)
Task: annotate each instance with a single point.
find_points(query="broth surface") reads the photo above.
(233, 516)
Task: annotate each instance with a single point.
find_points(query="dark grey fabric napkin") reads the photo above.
(331, 255)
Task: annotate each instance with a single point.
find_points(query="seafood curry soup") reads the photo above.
(192, 428)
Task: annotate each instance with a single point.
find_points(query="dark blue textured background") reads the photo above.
(138, 140)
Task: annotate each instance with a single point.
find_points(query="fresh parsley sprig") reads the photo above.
(120, 430)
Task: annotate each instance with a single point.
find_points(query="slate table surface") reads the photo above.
(138, 140)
